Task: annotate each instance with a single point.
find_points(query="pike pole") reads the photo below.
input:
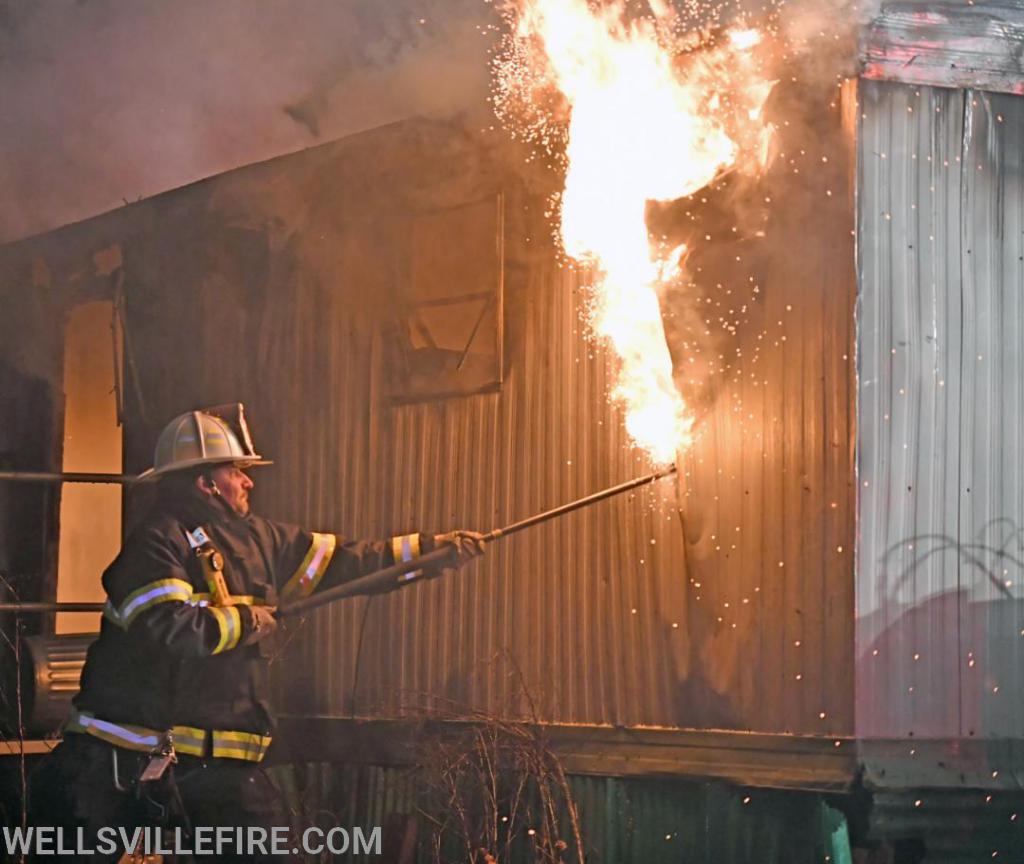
(403, 573)
(406, 572)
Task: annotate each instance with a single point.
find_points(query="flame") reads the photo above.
(650, 118)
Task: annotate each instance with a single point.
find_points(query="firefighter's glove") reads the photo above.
(260, 622)
(468, 545)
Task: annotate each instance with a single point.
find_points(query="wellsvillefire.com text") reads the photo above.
(199, 841)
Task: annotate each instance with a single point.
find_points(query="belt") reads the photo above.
(219, 743)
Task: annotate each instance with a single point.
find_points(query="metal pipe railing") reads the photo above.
(66, 477)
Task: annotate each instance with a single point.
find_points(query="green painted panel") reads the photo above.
(622, 821)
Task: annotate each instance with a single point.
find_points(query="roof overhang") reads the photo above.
(947, 44)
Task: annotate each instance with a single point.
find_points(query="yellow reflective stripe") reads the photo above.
(239, 752)
(406, 547)
(230, 624)
(132, 737)
(149, 595)
(222, 624)
(196, 599)
(236, 627)
(189, 740)
(240, 745)
(309, 573)
(117, 740)
(236, 599)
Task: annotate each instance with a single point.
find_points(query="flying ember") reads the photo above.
(635, 112)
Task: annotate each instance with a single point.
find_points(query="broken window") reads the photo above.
(448, 339)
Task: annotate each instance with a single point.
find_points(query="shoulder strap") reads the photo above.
(212, 562)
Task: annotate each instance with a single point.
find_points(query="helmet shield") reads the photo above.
(233, 414)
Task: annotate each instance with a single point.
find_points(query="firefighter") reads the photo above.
(171, 722)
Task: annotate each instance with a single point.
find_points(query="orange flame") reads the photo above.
(650, 119)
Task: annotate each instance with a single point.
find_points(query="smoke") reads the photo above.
(745, 284)
(824, 35)
(106, 102)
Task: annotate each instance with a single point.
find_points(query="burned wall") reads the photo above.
(287, 285)
(761, 331)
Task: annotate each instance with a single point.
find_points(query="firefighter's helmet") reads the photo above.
(210, 436)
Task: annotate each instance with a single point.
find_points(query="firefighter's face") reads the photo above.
(231, 484)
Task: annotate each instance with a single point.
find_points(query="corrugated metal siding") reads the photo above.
(769, 506)
(953, 827)
(549, 614)
(280, 298)
(939, 408)
(572, 620)
(992, 482)
(908, 363)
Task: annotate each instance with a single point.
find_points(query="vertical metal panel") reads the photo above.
(768, 513)
(992, 418)
(909, 344)
(939, 362)
(548, 616)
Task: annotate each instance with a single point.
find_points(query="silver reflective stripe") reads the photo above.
(121, 732)
(110, 612)
(192, 742)
(151, 595)
(85, 721)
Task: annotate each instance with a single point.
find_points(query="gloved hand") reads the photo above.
(468, 544)
(260, 622)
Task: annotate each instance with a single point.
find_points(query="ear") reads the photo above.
(205, 484)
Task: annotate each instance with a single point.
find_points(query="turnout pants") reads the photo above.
(76, 788)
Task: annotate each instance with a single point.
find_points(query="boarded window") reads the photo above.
(449, 331)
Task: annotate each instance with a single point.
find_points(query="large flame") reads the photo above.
(652, 117)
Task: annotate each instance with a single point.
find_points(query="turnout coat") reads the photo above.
(171, 662)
